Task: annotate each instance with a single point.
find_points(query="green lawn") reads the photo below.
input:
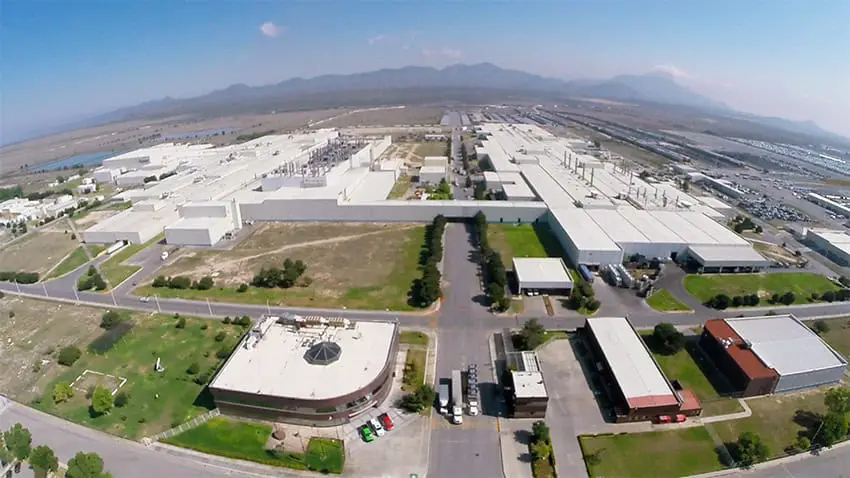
(390, 293)
(115, 271)
(664, 301)
(777, 419)
(235, 439)
(697, 374)
(671, 453)
(133, 357)
(414, 337)
(524, 240)
(325, 455)
(74, 260)
(556, 335)
(802, 284)
(838, 336)
(414, 369)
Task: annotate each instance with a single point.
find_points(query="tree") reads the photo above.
(820, 327)
(837, 400)
(86, 465)
(833, 428)
(18, 441)
(828, 296)
(592, 305)
(720, 302)
(62, 391)
(206, 283)
(69, 355)
(412, 403)
(193, 369)
(754, 299)
(503, 304)
(245, 321)
(737, 301)
(532, 335)
(102, 401)
(44, 460)
(540, 431)
(181, 323)
(787, 298)
(668, 338)
(110, 319)
(243, 287)
(222, 335)
(225, 321)
(160, 281)
(751, 449)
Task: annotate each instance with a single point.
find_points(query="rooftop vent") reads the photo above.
(323, 353)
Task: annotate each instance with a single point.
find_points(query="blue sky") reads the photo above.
(62, 60)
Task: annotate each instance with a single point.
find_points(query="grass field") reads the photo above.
(671, 453)
(414, 369)
(696, 373)
(33, 331)
(133, 357)
(431, 148)
(839, 335)
(76, 259)
(802, 284)
(524, 240)
(414, 337)
(378, 276)
(664, 301)
(400, 188)
(778, 419)
(113, 268)
(37, 252)
(235, 439)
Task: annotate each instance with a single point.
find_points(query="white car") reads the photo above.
(376, 427)
(144, 299)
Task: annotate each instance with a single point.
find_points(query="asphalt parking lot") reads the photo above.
(573, 409)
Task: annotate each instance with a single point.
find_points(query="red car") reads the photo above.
(386, 421)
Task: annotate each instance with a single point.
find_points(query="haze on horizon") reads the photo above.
(65, 61)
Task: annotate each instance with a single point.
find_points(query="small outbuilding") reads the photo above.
(545, 274)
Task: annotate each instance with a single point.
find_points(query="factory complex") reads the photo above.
(600, 211)
(835, 245)
(311, 370)
(771, 354)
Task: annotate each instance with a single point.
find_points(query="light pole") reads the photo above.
(44, 286)
(156, 299)
(112, 293)
(209, 306)
(268, 308)
(17, 286)
(76, 294)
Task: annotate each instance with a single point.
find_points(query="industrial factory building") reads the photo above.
(542, 274)
(829, 204)
(835, 245)
(771, 354)
(638, 386)
(311, 371)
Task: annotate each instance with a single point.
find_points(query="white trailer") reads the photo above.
(457, 398)
(443, 396)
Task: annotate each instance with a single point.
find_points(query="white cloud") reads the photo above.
(271, 30)
(671, 70)
(377, 39)
(445, 52)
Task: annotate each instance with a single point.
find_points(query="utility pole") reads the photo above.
(268, 308)
(156, 299)
(112, 293)
(76, 294)
(44, 286)
(17, 286)
(209, 306)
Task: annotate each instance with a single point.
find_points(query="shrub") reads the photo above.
(593, 305)
(181, 323)
(202, 379)
(820, 327)
(160, 281)
(243, 287)
(179, 282)
(110, 319)
(223, 352)
(102, 401)
(668, 338)
(121, 399)
(11, 314)
(245, 321)
(193, 369)
(226, 320)
(62, 391)
(220, 336)
(206, 283)
(69, 355)
(204, 326)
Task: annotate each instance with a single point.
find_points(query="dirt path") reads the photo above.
(235, 262)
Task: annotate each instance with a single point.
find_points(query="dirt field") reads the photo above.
(410, 115)
(347, 263)
(31, 341)
(93, 217)
(38, 252)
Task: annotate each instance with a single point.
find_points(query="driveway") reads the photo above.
(573, 409)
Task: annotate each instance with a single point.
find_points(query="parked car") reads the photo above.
(376, 427)
(366, 433)
(386, 421)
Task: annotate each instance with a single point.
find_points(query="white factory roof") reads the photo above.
(617, 228)
(631, 363)
(541, 269)
(583, 231)
(546, 187)
(433, 169)
(720, 233)
(676, 221)
(785, 344)
(529, 385)
(376, 186)
(131, 220)
(649, 226)
(199, 223)
(518, 190)
(728, 255)
(832, 236)
(713, 202)
(275, 365)
(491, 177)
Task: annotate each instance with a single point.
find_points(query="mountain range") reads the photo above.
(417, 84)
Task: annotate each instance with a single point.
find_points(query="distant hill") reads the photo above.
(425, 85)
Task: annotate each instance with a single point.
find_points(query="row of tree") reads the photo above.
(495, 274)
(91, 280)
(19, 277)
(583, 297)
(540, 445)
(723, 301)
(183, 282)
(286, 277)
(426, 289)
(16, 447)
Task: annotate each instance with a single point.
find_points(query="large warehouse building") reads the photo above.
(311, 371)
(835, 245)
(771, 354)
(641, 391)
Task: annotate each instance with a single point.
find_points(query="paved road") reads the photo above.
(471, 449)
